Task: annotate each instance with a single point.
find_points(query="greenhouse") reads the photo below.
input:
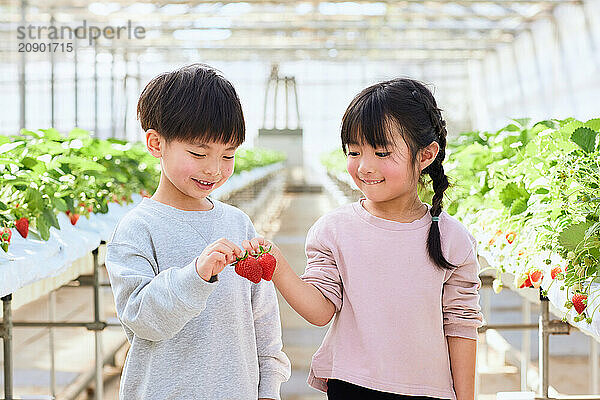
(301, 200)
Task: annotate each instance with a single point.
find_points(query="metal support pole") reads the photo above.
(7, 342)
(519, 79)
(51, 315)
(22, 64)
(499, 66)
(264, 123)
(97, 333)
(76, 81)
(594, 45)
(526, 348)
(126, 105)
(52, 60)
(487, 312)
(95, 89)
(287, 83)
(538, 68)
(567, 72)
(595, 381)
(298, 126)
(275, 102)
(112, 94)
(544, 343)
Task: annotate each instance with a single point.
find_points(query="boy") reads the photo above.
(197, 330)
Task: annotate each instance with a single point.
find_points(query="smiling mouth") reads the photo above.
(372, 181)
(204, 184)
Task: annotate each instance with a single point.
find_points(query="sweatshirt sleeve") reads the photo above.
(321, 269)
(154, 306)
(460, 300)
(274, 366)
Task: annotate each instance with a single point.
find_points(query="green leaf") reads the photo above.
(43, 226)
(518, 206)
(593, 124)
(29, 162)
(34, 198)
(3, 206)
(51, 217)
(512, 192)
(585, 138)
(570, 237)
(60, 204)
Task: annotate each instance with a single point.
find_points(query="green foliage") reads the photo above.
(45, 172)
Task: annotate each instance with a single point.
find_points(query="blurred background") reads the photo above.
(487, 61)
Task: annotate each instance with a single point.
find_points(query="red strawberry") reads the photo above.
(555, 271)
(535, 277)
(144, 193)
(22, 225)
(268, 264)
(72, 217)
(249, 268)
(579, 302)
(5, 235)
(526, 284)
(510, 237)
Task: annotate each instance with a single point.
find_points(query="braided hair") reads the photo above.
(411, 107)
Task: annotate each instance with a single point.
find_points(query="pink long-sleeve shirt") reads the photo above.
(394, 306)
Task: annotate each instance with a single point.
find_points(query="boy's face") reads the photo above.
(192, 171)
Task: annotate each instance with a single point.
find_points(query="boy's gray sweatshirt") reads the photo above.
(191, 339)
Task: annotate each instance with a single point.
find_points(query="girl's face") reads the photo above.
(382, 174)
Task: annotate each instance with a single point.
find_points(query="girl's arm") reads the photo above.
(463, 353)
(302, 296)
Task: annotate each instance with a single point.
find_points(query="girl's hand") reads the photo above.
(215, 257)
(253, 246)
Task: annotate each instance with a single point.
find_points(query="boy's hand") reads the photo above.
(215, 257)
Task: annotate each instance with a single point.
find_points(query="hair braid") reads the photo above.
(436, 171)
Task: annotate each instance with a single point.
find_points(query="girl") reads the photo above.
(399, 275)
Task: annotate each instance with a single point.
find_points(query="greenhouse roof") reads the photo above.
(266, 29)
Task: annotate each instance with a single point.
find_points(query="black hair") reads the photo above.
(195, 104)
(409, 106)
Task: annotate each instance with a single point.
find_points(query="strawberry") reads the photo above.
(22, 225)
(268, 264)
(72, 217)
(579, 302)
(555, 271)
(535, 277)
(144, 193)
(510, 237)
(5, 235)
(249, 268)
(526, 284)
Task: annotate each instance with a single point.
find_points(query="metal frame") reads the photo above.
(546, 327)
(97, 325)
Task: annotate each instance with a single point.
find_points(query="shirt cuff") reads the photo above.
(463, 331)
(270, 385)
(190, 288)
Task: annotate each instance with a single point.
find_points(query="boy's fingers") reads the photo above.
(234, 248)
(217, 257)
